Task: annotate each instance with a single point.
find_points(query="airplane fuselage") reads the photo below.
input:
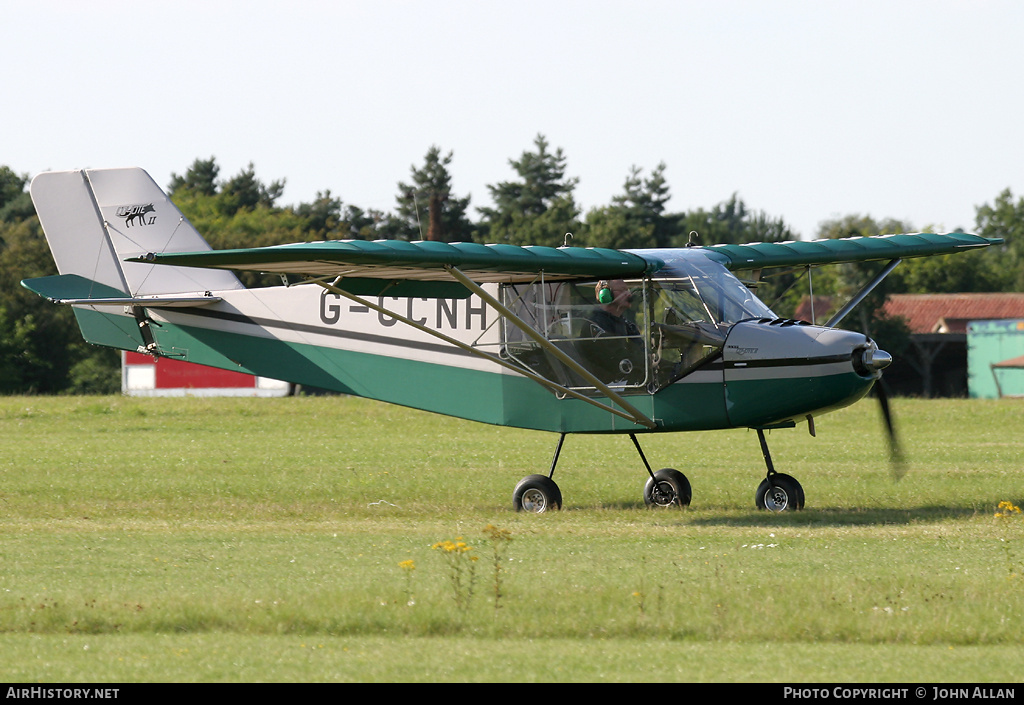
(769, 372)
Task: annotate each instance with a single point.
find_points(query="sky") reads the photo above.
(806, 110)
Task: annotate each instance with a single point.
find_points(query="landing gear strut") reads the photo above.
(777, 492)
(539, 493)
(667, 487)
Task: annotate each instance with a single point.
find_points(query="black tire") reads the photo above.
(786, 496)
(536, 494)
(668, 488)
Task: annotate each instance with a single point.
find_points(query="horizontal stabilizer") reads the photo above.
(74, 289)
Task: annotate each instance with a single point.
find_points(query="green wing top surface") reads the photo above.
(855, 249)
(420, 268)
(420, 261)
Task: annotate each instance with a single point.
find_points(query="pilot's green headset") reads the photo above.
(604, 292)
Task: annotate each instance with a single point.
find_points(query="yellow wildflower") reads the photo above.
(1007, 509)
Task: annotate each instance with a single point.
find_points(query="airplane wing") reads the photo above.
(425, 261)
(367, 266)
(761, 255)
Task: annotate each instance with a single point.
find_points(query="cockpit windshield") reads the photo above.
(693, 304)
(704, 290)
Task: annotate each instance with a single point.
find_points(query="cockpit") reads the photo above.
(631, 335)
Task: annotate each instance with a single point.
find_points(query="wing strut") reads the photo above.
(633, 415)
(867, 289)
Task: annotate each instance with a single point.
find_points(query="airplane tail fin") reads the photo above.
(95, 219)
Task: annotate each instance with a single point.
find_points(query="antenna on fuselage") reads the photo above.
(692, 242)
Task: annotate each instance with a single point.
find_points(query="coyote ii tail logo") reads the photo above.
(137, 215)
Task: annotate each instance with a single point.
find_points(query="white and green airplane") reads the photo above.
(568, 339)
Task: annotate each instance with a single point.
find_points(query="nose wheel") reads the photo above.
(777, 492)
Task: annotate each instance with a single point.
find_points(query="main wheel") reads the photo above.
(783, 494)
(668, 488)
(537, 494)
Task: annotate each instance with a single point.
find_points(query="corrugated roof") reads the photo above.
(949, 313)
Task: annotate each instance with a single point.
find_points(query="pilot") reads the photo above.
(614, 299)
(617, 351)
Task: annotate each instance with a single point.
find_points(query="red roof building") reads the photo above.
(949, 313)
(938, 328)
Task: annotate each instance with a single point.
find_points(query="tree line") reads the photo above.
(42, 352)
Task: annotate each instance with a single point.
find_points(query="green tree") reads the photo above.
(242, 192)
(730, 222)
(372, 224)
(646, 197)
(15, 203)
(200, 179)
(537, 209)
(242, 212)
(611, 226)
(245, 192)
(15, 342)
(635, 218)
(951, 274)
(36, 332)
(1005, 219)
(427, 209)
(323, 217)
(94, 370)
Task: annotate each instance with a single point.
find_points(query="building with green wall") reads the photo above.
(995, 358)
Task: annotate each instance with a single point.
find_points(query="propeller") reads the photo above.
(899, 463)
(874, 359)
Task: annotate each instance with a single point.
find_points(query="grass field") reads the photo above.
(333, 539)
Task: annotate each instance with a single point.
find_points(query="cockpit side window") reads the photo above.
(600, 324)
(684, 330)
